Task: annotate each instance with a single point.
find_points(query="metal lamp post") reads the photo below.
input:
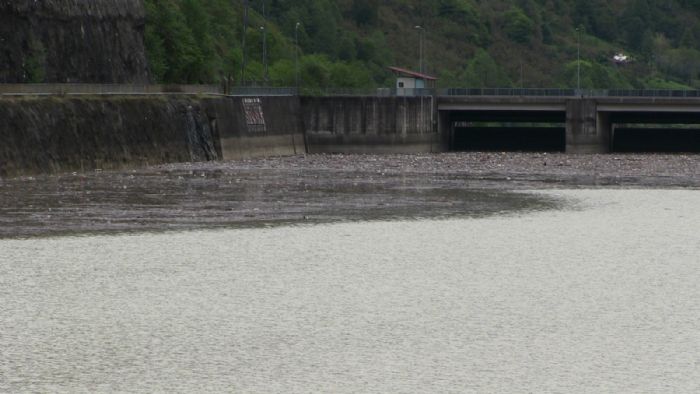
(264, 53)
(245, 29)
(578, 59)
(263, 28)
(420, 45)
(296, 53)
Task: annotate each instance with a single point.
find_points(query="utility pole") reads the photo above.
(245, 29)
(296, 54)
(266, 75)
(264, 53)
(420, 48)
(578, 59)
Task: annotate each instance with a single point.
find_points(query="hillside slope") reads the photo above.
(475, 43)
(97, 41)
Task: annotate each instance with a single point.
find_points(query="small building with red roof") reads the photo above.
(407, 79)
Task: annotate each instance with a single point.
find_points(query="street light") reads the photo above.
(578, 59)
(245, 28)
(422, 30)
(264, 54)
(296, 52)
(263, 29)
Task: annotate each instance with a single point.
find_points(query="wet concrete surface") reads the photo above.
(318, 188)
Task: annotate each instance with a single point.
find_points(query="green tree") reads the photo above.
(345, 41)
(517, 26)
(483, 72)
(595, 76)
(172, 39)
(365, 12)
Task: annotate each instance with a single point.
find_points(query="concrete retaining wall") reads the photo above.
(57, 134)
(65, 134)
(371, 124)
(68, 133)
(258, 126)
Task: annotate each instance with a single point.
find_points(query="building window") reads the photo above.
(401, 84)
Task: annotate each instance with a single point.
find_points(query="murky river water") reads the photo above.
(602, 295)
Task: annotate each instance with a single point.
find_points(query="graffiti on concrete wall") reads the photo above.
(254, 116)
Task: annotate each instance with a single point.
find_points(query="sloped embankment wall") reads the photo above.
(44, 135)
(80, 133)
(87, 41)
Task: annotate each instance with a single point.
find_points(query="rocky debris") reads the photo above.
(318, 188)
(525, 170)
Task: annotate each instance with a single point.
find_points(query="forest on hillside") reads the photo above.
(467, 43)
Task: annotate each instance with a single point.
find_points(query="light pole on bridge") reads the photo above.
(420, 47)
(264, 53)
(578, 59)
(263, 29)
(296, 54)
(245, 29)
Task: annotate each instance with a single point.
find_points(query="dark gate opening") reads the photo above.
(510, 139)
(655, 132)
(508, 131)
(656, 140)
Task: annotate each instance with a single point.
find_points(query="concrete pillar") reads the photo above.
(604, 128)
(583, 135)
(444, 131)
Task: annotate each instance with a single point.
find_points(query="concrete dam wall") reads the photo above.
(69, 133)
(371, 124)
(258, 126)
(59, 133)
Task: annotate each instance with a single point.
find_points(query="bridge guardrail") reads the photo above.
(105, 89)
(569, 92)
(262, 91)
(368, 92)
(116, 89)
(507, 92)
(653, 93)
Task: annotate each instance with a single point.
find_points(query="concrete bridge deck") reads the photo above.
(589, 121)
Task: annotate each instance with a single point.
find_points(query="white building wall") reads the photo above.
(408, 83)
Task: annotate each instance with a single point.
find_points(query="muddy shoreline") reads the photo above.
(318, 188)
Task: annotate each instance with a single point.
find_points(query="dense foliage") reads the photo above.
(475, 43)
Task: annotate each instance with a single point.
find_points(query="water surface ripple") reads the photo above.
(600, 297)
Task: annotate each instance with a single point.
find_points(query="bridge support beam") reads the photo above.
(587, 131)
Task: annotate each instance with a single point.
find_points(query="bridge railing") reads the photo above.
(105, 89)
(507, 92)
(653, 93)
(135, 89)
(369, 92)
(569, 92)
(262, 91)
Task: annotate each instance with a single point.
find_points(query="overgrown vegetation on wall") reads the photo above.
(468, 43)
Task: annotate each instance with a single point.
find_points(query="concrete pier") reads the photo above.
(583, 134)
(590, 122)
(371, 124)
